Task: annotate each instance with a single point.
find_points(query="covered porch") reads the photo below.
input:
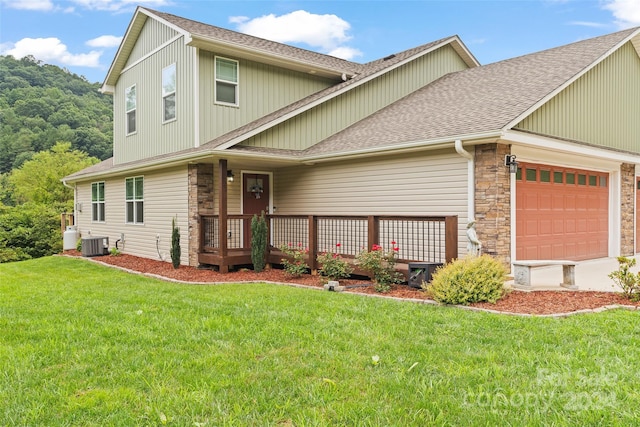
(419, 238)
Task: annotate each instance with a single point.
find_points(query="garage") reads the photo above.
(561, 213)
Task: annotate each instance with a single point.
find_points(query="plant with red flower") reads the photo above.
(333, 266)
(381, 266)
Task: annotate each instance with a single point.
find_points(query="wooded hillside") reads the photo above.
(42, 104)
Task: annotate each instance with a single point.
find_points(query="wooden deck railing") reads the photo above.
(418, 238)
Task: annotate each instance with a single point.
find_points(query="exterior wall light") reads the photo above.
(510, 161)
(229, 176)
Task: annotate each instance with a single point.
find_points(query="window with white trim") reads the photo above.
(97, 201)
(130, 108)
(134, 190)
(169, 93)
(226, 81)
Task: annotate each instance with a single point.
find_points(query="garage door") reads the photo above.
(561, 213)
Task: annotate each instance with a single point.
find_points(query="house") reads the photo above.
(213, 126)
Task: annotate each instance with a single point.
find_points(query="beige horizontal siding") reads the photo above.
(165, 197)
(602, 107)
(421, 184)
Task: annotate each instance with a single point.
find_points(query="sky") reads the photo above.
(83, 35)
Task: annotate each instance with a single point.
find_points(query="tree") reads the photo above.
(39, 180)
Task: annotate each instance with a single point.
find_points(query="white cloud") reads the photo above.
(626, 12)
(104, 41)
(588, 24)
(326, 32)
(43, 5)
(52, 50)
(345, 52)
(118, 5)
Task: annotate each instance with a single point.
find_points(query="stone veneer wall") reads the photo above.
(200, 203)
(627, 206)
(493, 201)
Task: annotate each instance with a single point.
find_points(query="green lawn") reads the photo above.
(82, 344)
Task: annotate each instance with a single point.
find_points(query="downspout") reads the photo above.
(74, 188)
(471, 184)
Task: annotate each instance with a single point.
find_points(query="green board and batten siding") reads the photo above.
(152, 35)
(152, 137)
(591, 109)
(322, 121)
(262, 89)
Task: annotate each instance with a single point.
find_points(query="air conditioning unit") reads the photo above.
(95, 246)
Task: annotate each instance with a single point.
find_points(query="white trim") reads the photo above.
(562, 87)
(573, 152)
(151, 53)
(215, 82)
(196, 97)
(615, 213)
(165, 95)
(332, 95)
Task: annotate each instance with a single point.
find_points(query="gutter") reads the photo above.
(471, 187)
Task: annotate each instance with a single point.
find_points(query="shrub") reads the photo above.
(381, 266)
(175, 250)
(258, 242)
(625, 279)
(29, 231)
(468, 280)
(296, 267)
(114, 251)
(333, 266)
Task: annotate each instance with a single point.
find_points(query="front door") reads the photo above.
(255, 199)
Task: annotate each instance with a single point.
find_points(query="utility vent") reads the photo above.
(386, 58)
(95, 246)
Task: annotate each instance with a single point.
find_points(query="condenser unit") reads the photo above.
(95, 246)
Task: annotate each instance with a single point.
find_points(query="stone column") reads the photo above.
(627, 206)
(200, 203)
(493, 201)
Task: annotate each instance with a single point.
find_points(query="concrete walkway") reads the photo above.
(591, 275)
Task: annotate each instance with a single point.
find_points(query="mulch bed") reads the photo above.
(532, 302)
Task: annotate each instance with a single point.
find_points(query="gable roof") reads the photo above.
(230, 42)
(490, 98)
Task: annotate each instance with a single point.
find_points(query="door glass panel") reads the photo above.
(545, 176)
(593, 180)
(557, 177)
(531, 174)
(571, 178)
(582, 179)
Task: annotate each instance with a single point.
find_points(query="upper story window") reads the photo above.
(97, 201)
(130, 108)
(169, 93)
(134, 190)
(226, 81)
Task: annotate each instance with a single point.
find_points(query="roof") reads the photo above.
(476, 101)
(479, 100)
(369, 71)
(226, 41)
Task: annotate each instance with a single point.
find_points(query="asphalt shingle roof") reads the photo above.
(473, 101)
(256, 43)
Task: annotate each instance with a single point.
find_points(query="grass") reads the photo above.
(82, 345)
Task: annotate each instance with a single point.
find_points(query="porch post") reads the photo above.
(313, 243)
(451, 238)
(374, 232)
(222, 214)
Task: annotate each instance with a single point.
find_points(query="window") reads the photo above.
(134, 200)
(130, 107)
(169, 93)
(226, 81)
(97, 201)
